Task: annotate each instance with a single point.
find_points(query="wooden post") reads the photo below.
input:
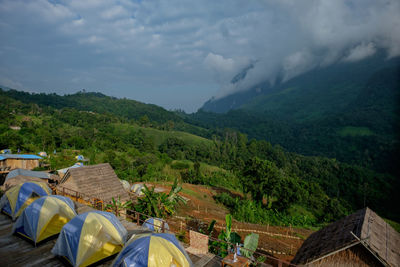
(63, 192)
(137, 218)
(76, 195)
(162, 227)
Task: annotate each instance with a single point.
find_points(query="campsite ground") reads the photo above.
(281, 242)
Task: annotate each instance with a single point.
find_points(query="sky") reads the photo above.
(179, 53)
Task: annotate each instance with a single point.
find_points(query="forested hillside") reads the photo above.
(348, 111)
(275, 186)
(100, 103)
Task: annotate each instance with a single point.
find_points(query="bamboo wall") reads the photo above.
(27, 164)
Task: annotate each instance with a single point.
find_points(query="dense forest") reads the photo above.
(347, 111)
(271, 184)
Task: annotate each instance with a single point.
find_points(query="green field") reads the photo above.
(355, 131)
(159, 136)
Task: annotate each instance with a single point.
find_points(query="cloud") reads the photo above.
(317, 34)
(145, 49)
(114, 12)
(219, 64)
(4, 81)
(360, 52)
(297, 63)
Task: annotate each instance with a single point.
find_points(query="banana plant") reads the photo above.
(116, 205)
(250, 245)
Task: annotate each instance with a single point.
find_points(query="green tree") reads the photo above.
(260, 178)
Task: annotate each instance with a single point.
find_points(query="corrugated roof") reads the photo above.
(18, 156)
(23, 172)
(370, 229)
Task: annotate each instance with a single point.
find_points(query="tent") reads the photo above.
(90, 237)
(137, 189)
(42, 154)
(125, 184)
(80, 157)
(151, 249)
(44, 217)
(62, 172)
(18, 197)
(155, 224)
(5, 151)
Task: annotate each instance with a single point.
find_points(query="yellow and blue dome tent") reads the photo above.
(44, 217)
(155, 224)
(18, 197)
(152, 249)
(138, 189)
(90, 237)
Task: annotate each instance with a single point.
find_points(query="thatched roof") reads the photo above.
(16, 172)
(95, 181)
(369, 230)
(19, 179)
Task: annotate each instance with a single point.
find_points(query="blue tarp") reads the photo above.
(18, 156)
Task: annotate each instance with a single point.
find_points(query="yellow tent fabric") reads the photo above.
(18, 197)
(90, 237)
(45, 217)
(153, 250)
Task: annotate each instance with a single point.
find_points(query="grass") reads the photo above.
(192, 193)
(160, 136)
(355, 131)
(394, 224)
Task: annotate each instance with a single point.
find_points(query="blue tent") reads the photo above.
(18, 197)
(44, 217)
(90, 237)
(151, 249)
(155, 224)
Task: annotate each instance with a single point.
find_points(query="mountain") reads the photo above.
(315, 94)
(300, 190)
(100, 103)
(347, 111)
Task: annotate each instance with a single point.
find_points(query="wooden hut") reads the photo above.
(14, 161)
(95, 181)
(360, 239)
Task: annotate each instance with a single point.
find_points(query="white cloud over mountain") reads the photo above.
(179, 53)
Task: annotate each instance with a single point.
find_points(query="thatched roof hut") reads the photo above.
(360, 239)
(19, 179)
(95, 181)
(18, 176)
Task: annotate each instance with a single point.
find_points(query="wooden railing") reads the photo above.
(139, 218)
